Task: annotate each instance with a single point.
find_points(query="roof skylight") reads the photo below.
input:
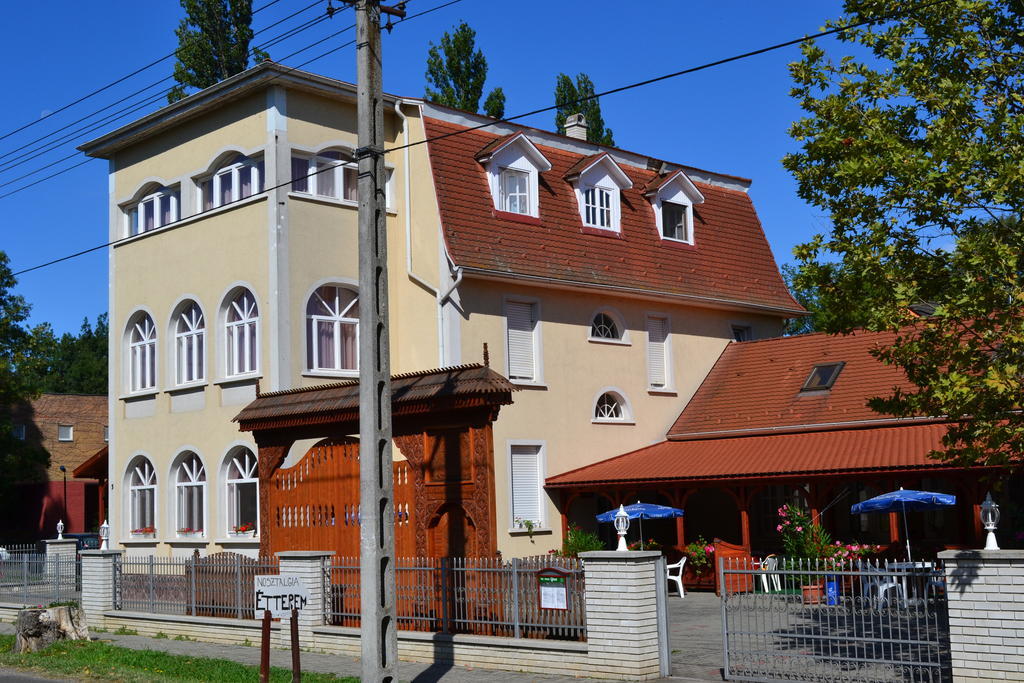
(822, 376)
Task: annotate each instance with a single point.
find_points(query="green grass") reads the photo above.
(105, 662)
(125, 631)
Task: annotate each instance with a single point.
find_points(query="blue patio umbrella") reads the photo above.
(901, 501)
(642, 511)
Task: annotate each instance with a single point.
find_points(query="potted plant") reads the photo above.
(144, 532)
(699, 571)
(649, 544)
(805, 541)
(188, 532)
(244, 530)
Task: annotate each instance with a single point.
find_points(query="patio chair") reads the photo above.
(677, 576)
(876, 586)
(769, 568)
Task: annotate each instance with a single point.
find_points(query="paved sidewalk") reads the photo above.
(694, 632)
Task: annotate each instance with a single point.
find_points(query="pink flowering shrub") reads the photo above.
(803, 537)
(700, 555)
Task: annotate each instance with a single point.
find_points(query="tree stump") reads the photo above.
(40, 627)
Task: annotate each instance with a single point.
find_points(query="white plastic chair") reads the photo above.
(677, 577)
(769, 566)
(876, 586)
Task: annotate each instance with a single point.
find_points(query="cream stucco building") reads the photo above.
(603, 282)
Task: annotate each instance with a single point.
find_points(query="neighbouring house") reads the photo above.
(786, 420)
(72, 428)
(604, 283)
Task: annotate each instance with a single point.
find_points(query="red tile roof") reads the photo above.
(755, 386)
(731, 261)
(846, 451)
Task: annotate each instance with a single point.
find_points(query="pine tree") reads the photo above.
(567, 96)
(456, 71)
(213, 43)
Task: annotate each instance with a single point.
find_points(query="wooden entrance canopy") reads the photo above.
(444, 489)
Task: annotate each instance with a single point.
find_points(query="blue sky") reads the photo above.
(732, 119)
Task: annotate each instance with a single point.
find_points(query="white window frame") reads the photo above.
(245, 331)
(242, 460)
(142, 491)
(142, 352)
(598, 210)
(70, 432)
(191, 493)
(189, 344)
(538, 347)
(687, 213)
(234, 170)
(133, 221)
(336, 319)
(523, 198)
(625, 408)
(542, 508)
(517, 154)
(669, 386)
(315, 181)
(748, 330)
(616, 317)
(679, 190)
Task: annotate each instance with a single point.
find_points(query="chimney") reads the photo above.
(576, 126)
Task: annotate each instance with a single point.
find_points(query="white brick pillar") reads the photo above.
(98, 583)
(60, 567)
(986, 613)
(308, 565)
(65, 547)
(626, 624)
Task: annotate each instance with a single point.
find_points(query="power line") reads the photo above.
(108, 86)
(624, 88)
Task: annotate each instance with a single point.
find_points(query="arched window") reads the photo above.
(238, 178)
(141, 353)
(332, 329)
(611, 407)
(243, 492)
(157, 208)
(331, 173)
(141, 497)
(604, 326)
(240, 329)
(190, 344)
(190, 493)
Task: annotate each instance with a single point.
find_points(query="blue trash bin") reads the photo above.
(831, 590)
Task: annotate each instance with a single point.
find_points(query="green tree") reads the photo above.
(18, 360)
(72, 364)
(213, 43)
(567, 96)
(456, 71)
(808, 298)
(913, 149)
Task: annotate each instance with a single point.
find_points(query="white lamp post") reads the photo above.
(60, 530)
(104, 535)
(622, 525)
(990, 519)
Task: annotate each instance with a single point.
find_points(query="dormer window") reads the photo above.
(598, 181)
(673, 197)
(155, 210)
(514, 165)
(822, 376)
(235, 180)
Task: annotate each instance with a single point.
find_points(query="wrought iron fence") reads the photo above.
(216, 586)
(482, 596)
(33, 579)
(22, 549)
(800, 619)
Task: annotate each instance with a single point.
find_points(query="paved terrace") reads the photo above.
(694, 630)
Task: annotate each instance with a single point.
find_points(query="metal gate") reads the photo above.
(812, 620)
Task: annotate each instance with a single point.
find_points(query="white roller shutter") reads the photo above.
(522, 323)
(526, 476)
(657, 365)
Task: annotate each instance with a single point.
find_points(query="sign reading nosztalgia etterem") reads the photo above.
(279, 594)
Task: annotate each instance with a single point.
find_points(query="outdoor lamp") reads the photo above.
(990, 519)
(622, 525)
(60, 530)
(104, 535)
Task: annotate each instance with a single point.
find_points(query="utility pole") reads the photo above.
(376, 485)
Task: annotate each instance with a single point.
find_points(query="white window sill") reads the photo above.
(192, 219)
(186, 388)
(332, 374)
(614, 229)
(330, 201)
(139, 540)
(673, 239)
(536, 531)
(531, 384)
(613, 342)
(661, 391)
(133, 396)
(189, 540)
(613, 422)
(238, 540)
(238, 379)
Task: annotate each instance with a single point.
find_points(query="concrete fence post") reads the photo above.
(60, 566)
(986, 613)
(308, 565)
(624, 632)
(98, 584)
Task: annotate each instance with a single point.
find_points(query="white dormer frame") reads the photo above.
(602, 174)
(517, 154)
(677, 188)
